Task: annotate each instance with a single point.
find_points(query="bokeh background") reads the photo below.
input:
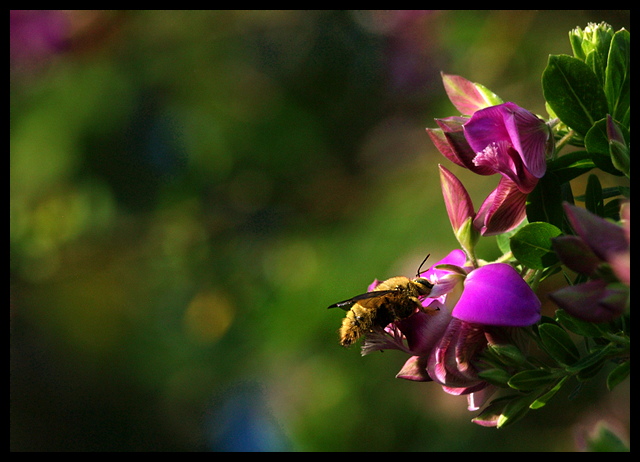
(190, 190)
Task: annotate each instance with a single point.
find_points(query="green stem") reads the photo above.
(564, 140)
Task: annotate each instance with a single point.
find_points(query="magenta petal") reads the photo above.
(465, 390)
(450, 362)
(456, 258)
(451, 142)
(487, 126)
(496, 295)
(456, 199)
(464, 95)
(513, 126)
(423, 330)
(415, 369)
(532, 140)
(502, 210)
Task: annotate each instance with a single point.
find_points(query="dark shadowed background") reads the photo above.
(191, 189)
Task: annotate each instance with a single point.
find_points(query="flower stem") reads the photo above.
(564, 140)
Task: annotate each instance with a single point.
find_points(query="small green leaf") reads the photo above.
(573, 92)
(617, 375)
(591, 360)
(514, 410)
(492, 412)
(545, 398)
(532, 379)
(558, 344)
(532, 245)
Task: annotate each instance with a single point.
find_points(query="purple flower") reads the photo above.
(600, 250)
(502, 138)
(511, 141)
(461, 312)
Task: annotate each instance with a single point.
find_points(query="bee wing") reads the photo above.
(345, 305)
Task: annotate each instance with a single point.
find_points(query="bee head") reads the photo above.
(424, 285)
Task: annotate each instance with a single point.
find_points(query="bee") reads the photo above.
(392, 300)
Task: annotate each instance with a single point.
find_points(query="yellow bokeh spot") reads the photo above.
(209, 315)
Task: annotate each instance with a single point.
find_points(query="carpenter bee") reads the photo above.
(392, 300)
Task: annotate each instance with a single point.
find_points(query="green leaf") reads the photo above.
(533, 378)
(617, 375)
(591, 360)
(545, 398)
(573, 92)
(596, 142)
(578, 326)
(495, 376)
(591, 370)
(514, 410)
(503, 239)
(492, 412)
(570, 166)
(594, 201)
(544, 203)
(617, 77)
(558, 344)
(532, 245)
(508, 354)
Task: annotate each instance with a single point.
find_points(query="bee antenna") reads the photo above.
(420, 267)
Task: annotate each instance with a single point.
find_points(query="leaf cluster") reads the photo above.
(588, 94)
(587, 97)
(534, 379)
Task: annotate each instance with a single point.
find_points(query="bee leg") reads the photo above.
(430, 311)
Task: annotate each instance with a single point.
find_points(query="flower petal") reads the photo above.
(423, 330)
(456, 199)
(456, 258)
(532, 140)
(450, 361)
(508, 123)
(502, 210)
(415, 369)
(496, 295)
(451, 142)
(465, 95)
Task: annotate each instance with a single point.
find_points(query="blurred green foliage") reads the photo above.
(191, 189)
